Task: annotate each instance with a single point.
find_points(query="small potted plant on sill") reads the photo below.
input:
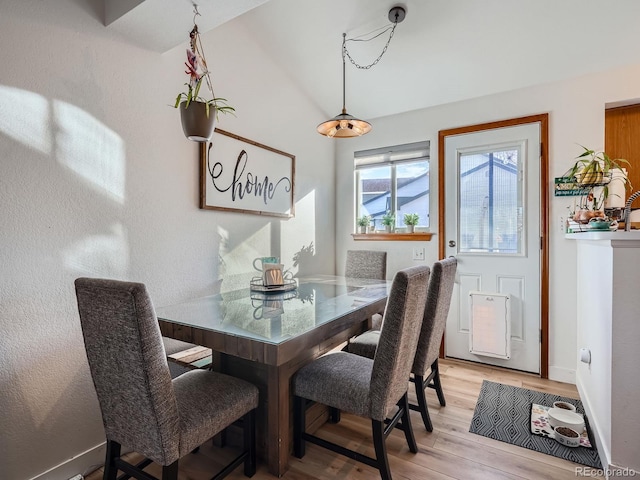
(389, 221)
(411, 220)
(364, 222)
(199, 115)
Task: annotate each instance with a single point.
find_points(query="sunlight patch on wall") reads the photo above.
(236, 269)
(24, 116)
(90, 149)
(299, 235)
(102, 254)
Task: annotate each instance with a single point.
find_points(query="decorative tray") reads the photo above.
(258, 286)
(273, 296)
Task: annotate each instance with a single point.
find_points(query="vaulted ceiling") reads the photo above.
(444, 51)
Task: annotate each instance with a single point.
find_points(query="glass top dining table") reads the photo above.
(277, 316)
(266, 337)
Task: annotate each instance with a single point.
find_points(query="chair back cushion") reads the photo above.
(398, 339)
(443, 275)
(129, 367)
(366, 264)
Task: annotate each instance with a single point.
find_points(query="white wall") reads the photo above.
(608, 327)
(576, 115)
(97, 179)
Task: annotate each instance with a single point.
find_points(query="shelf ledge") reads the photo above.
(393, 237)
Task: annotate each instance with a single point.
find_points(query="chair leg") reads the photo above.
(422, 402)
(436, 383)
(299, 427)
(381, 449)
(170, 472)
(406, 424)
(113, 452)
(334, 415)
(249, 437)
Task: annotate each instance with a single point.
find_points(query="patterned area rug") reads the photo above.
(503, 413)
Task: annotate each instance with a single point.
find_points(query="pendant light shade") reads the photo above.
(344, 126)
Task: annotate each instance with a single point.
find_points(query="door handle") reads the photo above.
(452, 243)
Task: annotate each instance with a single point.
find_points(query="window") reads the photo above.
(395, 180)
(491, 201)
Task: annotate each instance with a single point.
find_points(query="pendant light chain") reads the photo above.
(366, 67)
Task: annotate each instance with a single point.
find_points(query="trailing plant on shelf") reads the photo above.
(198, 121)
(593, 170)
(411, 220)
(389, 221)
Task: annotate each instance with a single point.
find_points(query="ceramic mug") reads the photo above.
(260, 261)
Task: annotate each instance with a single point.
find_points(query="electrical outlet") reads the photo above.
(418, 254)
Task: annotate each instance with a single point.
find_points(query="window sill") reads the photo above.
(393, 237)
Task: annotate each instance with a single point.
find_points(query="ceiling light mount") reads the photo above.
(397, 14)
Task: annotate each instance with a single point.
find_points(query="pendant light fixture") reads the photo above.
(345, 125)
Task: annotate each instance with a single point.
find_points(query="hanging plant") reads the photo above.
(198, 119)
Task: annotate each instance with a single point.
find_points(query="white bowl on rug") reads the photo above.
(565, 406)
(567, 437)
(559, 417)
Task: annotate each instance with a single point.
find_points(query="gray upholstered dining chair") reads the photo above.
(367, 264)
(441, 284)
(142, 407)
(372, 388)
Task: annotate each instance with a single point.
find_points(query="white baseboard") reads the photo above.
(564, 375)
(83, 464)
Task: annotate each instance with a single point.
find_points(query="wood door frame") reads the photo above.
(543, 119)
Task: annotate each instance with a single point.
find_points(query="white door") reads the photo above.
(492, 226)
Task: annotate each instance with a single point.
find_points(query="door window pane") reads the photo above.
(490, 202)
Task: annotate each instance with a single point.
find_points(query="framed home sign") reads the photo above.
(240, 175)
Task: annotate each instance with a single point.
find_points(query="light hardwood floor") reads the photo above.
(450, 451)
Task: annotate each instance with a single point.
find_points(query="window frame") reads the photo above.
(391, 156)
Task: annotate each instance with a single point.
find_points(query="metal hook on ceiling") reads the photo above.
(195, 12)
